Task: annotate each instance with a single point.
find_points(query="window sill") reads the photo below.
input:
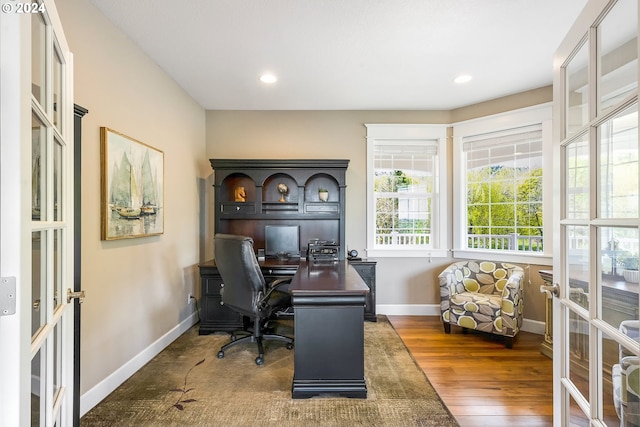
(407, 253)
(505, 256)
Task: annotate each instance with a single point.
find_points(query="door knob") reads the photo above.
(550, 290)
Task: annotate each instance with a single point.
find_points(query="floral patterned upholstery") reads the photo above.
(482, 295)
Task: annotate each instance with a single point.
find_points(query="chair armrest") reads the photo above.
(512, 305)
(449, 285)
(279, 282)
(515, 281)
(275, 285)
(449, 282)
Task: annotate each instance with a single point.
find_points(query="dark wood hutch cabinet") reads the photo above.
(247, 198)
(263, 204)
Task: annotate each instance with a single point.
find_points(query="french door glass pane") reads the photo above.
(618, 151)
(577, 92)
(577, 179)
(618, 70)
(38, 397)
(38, 281)
(57, 360)
(57, 88)
(57, 181)
(577, 418)
(579, 353)
(38, 171)
(619, 249)
(620, 380)
(38, 57)
(57, 268)
(578, 264)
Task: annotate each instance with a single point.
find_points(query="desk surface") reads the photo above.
(331, 278)
(268, 263)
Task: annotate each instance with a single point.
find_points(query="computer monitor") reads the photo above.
(282, 240)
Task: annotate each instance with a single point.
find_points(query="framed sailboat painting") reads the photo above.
(132, 181)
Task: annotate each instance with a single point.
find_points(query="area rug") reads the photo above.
(187, 385)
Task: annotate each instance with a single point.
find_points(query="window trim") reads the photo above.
(411, 133)
(539, 114)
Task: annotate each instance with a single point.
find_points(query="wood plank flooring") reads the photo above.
(482, 382)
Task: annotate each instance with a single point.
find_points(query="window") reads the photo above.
(405, 214)
(501, 184)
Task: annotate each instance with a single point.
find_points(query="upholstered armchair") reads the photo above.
(626, 379)
(482, 295)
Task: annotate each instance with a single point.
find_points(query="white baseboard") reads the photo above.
(101, 390)
(533, 326)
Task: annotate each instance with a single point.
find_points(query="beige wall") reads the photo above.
(342, 135)
(136, 288)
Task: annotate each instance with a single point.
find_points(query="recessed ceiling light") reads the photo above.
(463, 79)
(268, 78)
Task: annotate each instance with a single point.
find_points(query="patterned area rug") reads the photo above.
(187, 385)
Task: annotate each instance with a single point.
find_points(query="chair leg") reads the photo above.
(275, 337)
(258, 338)
(233, 342)
(447, 328)
(508, 342)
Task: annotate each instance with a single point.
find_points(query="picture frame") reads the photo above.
(132, 187)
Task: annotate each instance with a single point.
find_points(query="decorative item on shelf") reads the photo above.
(629, 264)
(283, 190)
(353, 255)
(323, 194)
(239, 194)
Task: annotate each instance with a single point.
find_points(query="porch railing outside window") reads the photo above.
(507, 242)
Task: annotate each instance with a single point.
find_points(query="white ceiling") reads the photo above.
(348, 54)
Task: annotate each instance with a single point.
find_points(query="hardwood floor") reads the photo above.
(482, 382)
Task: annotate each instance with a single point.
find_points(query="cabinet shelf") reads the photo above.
(279, 207)
(289, 217)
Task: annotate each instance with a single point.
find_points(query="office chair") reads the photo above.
(245, 291)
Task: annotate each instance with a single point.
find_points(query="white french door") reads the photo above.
(597, 219)
(36, 219)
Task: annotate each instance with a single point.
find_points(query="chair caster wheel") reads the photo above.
(289, 346)
(259, 360)
(220, 354)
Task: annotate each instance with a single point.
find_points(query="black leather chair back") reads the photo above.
(244, 283)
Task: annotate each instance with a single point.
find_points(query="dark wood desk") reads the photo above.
(215, 317)
(328, 304)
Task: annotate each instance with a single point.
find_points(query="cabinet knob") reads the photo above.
(222, 285)
(221, 303)
(237, 208)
